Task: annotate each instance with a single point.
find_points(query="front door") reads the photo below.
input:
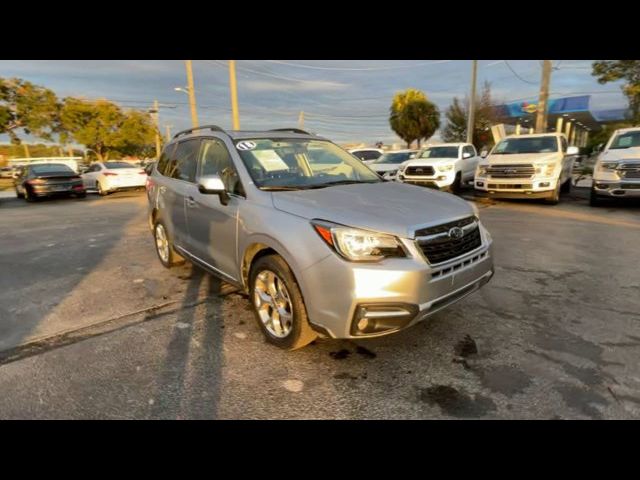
(212, 225)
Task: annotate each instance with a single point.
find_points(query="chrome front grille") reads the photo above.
(511, 171)
(419, 171)
(629, 170)
(450, 240)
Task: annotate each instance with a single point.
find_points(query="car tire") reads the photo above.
(28, 195)
(594, 199)
(101, 191)
(554, 198)
(164, 246)
(272, 274)
(456, 186)
(18, 194)
(566, 186)
(81, 195)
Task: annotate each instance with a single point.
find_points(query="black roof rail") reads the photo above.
(292, 130)
(214, 128)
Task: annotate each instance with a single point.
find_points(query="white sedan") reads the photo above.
(108, 177)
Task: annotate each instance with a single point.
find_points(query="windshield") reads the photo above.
(394, 157)
(290, 164)
(626, 140)
(512, 146)
(50, 168)
(112, 165)
(440, 152)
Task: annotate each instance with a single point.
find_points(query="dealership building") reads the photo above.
(572, 115)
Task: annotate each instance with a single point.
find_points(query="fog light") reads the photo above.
(442, 177)
(480, 184)
(363, 323)
(377, 318)
(544, 184)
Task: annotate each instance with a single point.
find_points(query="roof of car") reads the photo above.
(451, 144)
(533, 135)
(628, 129)
(401, 151)
(207, 130)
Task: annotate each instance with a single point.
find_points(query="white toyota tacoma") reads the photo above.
(442, 166)
(527, 166)
(617, 170)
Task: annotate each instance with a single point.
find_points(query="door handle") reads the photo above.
(191, 202)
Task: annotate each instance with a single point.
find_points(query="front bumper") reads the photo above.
(536, 187)
(617, 188)
(337, 292)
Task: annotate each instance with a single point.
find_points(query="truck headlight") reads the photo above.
(608, 166)
(389, 174)
(481, 171)
(545, 169)
(358, 245)
(445, 168)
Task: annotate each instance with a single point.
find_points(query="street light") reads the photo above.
(181, 89)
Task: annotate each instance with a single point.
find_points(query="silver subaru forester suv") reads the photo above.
(320, 243)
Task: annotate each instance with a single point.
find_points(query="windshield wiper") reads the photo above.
(282, 188)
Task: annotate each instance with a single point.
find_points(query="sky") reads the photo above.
(345, 100)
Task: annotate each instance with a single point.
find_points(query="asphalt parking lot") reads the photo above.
(92, 326)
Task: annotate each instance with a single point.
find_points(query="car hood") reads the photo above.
(632, 153)
(522, 158)
(384, 167)
(426, 162)
(387, 207)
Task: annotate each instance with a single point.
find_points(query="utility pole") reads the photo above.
(234, 94)
(168, 131)
(471, 121)
(155, 112)
(541, 115)
(70, 150)
(301, 120)
(192, 94)
(26, 150)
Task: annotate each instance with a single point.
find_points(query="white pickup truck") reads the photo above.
(443, 166)
(617, 170)
(527, 166)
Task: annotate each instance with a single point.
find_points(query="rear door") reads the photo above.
(176, 183)
(470, 163)
(212, 225)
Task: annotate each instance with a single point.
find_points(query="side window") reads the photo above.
(163, 162)
(184, 161)
(564, 144)
(370, 155)
(216, 160)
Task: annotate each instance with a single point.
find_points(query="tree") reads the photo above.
(29, 107)
(628, 70)
(413, 117)
(457, 114)
(104, 128)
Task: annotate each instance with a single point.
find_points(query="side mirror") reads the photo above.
(466, 155)
(213, 185)
(484, 153)
(573, 150)
(413, 155)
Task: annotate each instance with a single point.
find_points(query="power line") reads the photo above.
(346, 69)
(518, 76)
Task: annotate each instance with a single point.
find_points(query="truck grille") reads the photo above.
(509, 186)
(420, 171)
(511, 171)
(437, 246)
(630, 170)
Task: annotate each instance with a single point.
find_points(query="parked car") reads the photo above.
(320, 243)
(6, 172)
(113, 176)
(527, 166)
(388, 163)
(616, 173)
(367, 155)
(444, 166)
(47, 180)
(148, 168)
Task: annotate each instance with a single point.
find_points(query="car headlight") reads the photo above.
(608, 166)
(481, 171)
(445, 168)
(545, 169)
(390, 174)
(358, 245)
